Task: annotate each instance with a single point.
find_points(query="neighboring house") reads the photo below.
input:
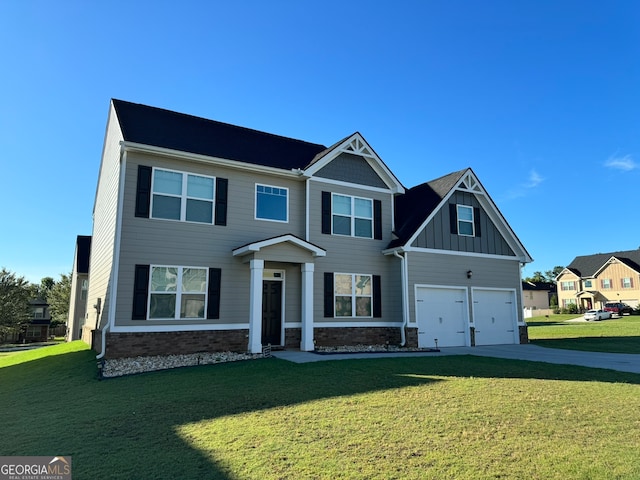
(79, 288)
(537, 295)
(212, 237)
(590, 281)
(38, 328)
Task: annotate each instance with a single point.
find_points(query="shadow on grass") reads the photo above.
(126, 427)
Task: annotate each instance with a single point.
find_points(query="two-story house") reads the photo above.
(79, 288)
(210, 237)
(590, 281)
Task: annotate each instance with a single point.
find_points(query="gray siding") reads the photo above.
(354, 255)
(451, 270)
(104, 227)
(163, 242)
(351, 168)
(437, 233)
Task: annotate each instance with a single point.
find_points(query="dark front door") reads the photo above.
(271, 312)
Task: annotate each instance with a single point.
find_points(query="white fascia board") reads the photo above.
(196, 157)
(462, 254)
(257, 246)
(351, 185)
(566, 270)
(177, 328)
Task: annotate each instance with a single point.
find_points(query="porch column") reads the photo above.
(255, 306)
(306, 337)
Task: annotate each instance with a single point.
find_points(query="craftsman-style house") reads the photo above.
(213, 237)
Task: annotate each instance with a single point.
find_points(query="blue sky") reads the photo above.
(540, 98)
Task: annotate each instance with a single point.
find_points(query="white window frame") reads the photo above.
(606, 284)
(354, 295)
(588, 284)
(626, 282)
(286, 213)
(353, 217)
(184, 197)
(567, 286)
(178, 293)
(459, 220)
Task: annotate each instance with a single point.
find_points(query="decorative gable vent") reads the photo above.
(469, 183)
(358, 147)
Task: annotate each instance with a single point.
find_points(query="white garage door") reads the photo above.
(494, 316)
(442, 317)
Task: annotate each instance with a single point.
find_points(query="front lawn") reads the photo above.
(460, 417)
(616, 335)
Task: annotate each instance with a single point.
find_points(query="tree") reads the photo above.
(552, 274)
(14, 302)
(58, 299)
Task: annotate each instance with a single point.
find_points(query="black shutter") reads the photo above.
(453, 218)
(326, 214)
(377, 219)
(377, 297)
(328, 294)
(140, 292)
(213, 306)
(143, 191)
(222, 185)
(476, 221)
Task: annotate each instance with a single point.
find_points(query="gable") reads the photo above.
(436, 234)
(350, 168)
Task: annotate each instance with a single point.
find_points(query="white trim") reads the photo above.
(178, 293)
(113, 295)
(468, 320)
(306, 312)
(283, 291)
(182, 155)
(352, 216)
(255, 203)
(472, 221)
(257, 246)
(359, 186)
(255, 306)
(456, 252)
(184, 196)
(353, 294)
(357, 324)
(307, 207)
(178, 328)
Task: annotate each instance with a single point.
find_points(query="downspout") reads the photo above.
(103, 343)
(405, 297)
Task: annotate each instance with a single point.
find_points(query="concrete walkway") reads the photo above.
(623, 362)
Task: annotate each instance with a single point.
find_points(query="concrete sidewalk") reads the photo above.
(623, 362)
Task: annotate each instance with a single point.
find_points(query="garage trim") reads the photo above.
(462, 289)
(514, 308)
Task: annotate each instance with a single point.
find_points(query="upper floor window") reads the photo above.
(83, 289)
(182, 196)
(465, 220)
(605, 283)
(272, 203)
(352, 216)
(587, 284)
(177, 292)
(627, 282)
(353, 295)
(38, 312)
(567, 286)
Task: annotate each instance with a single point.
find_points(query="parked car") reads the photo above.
(618, 308)
(596, 315)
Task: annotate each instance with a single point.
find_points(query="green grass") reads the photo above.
(406, 418)
(616, 335)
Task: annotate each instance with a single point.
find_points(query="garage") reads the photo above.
(494, 316)
(442, 316)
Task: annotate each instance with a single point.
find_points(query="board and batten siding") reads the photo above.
(437, 233)
(451, 270)
(351, 168)
(104, 229)
(354, 255)
(165, 242)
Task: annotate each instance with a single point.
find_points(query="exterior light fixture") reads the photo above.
(469, 273)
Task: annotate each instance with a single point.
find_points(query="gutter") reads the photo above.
(103, 348)
(405, 296)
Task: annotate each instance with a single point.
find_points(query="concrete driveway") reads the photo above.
(624, 362)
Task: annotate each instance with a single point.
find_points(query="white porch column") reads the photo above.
(306, 340)
(255, 306)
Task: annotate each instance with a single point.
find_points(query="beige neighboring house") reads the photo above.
(537, 295)
(590, 281)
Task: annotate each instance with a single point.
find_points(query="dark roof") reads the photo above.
(83, 252)
(417, 203)
(177, 131)
(588, 265)
(539, 286)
